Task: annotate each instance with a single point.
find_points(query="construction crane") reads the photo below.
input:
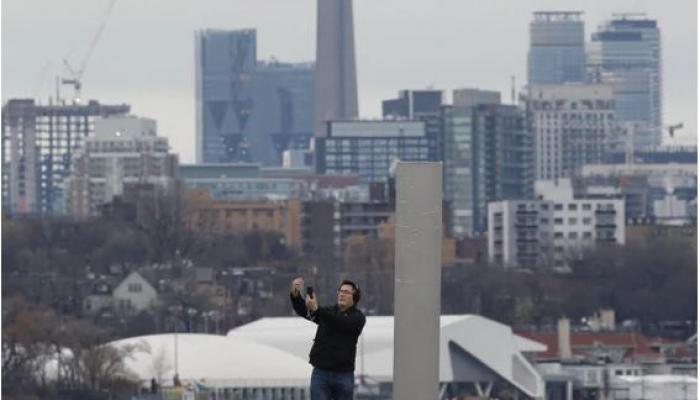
(672, 128)
(75, 78)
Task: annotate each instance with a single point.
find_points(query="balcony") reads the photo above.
(605, 212)
(606, 240)
(526, 212)
(605, 225)
(526, 240)
(526, 225)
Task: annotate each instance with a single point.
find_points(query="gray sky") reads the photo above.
(145, 56)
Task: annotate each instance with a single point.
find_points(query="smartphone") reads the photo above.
(310, 291)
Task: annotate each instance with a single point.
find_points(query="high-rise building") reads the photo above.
(369, 148)
(626, 53)
(421, 105)
(573, 125)
(248, 110)
(283, 110)
(38, 145)
(225, 62)
(124, 150)
(335, 82)
(487, 157)
(557, 48)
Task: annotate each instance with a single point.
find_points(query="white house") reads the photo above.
(134, 294)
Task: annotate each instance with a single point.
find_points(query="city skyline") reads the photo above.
(154, 73)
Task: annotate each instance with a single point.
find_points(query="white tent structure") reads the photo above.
(474, 351)
(218, 363)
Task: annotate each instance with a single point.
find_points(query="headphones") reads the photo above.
(357, 293)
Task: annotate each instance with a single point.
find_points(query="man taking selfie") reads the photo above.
(333, 352)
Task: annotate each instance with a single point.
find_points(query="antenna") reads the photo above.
(512, 89)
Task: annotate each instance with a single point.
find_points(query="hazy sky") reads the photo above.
(145, 56)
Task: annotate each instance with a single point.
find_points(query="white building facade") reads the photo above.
(122, 150)
(553, 228)
(573, 124)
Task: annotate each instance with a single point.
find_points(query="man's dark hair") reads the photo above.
(356, 290)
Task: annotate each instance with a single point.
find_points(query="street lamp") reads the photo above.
(191, 312)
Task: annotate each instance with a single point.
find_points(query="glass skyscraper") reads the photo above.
(488, 157)
(247, 110)
(557, 48)
(626, 52)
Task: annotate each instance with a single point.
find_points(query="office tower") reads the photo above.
(487, 157)
(123, 150)
(283, 110)
(573, 125)
(248, 110)
(335, 82)
(369, 148)
(225, 62)
(626, 53)
(557, 48)
(38, 144)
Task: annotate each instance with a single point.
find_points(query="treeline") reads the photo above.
(47, 262)
(48, 355)
(651, 281)
(647, 282)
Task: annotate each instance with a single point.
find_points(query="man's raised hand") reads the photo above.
(297, 284)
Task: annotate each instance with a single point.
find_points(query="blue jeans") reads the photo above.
(329, 385)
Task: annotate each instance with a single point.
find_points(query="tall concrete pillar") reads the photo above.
(417, 280)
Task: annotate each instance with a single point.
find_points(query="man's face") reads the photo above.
(345, 296)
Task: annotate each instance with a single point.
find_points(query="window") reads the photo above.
(134, 288)
(558, 235)
(558, 207)
(587, 235)
(572, 221)
(586, 221)
(544, 221)
(558, 221)
(544, 207)
(586, 206)
(573, 235)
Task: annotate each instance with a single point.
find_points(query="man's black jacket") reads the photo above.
(336, 336)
